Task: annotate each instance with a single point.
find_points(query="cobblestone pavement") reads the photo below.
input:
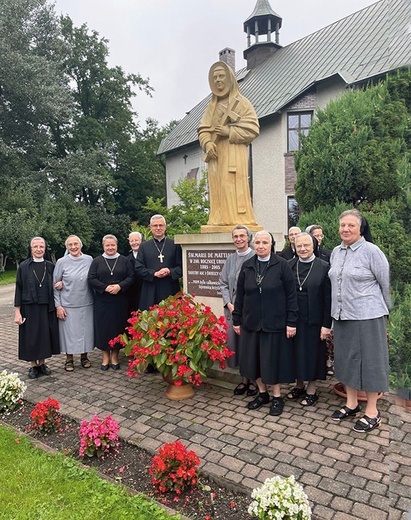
(346, 475)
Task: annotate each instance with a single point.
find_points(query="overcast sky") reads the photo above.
(174, 42)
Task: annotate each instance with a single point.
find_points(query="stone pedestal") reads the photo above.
(227, 229)
(204, 256)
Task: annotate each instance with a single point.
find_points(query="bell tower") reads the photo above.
(263, 21)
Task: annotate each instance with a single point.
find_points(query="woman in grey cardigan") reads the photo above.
(74, 301)
(228, 285)
(359, 277)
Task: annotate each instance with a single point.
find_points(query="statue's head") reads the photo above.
(221, 79)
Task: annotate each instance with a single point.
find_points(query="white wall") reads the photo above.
(268, 178)
(177, 168)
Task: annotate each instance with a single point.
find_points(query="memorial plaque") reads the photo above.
(203, 271)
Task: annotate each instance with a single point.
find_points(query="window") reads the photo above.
(293, 212)
(298, 123)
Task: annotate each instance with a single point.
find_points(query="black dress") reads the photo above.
(38, 335)
(111, 311)
(264, 311)
(154, 290)
(135, 290)
(314, 311)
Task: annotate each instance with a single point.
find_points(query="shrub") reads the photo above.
(98, 436)
(399, 328)
(174, 468)
(180, 337)
(280, 499)
(11, 390)
(45, 415)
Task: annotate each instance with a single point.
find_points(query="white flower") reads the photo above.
(11, 390)
(280, 499)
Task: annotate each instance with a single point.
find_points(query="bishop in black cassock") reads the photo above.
(159, 265)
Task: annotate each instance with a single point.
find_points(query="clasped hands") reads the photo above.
(162, 273)
(113, 289)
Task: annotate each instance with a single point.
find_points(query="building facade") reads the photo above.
(286, 86)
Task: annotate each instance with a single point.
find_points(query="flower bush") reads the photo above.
(98, 436)
(179, 337)
(174, 468)
(280, 499)
(45, 415)
(12, 390)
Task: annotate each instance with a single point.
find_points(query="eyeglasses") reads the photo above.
(235, 237)
(303, 246)
(318, 236)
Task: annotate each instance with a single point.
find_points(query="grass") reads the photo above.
(8, 277)
(38, 486)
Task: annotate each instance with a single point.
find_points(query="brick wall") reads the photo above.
(306, 102)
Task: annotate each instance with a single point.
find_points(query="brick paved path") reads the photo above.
(346, 475)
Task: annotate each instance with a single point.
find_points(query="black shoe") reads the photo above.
(262, 398)
(34, 372)
(252, 389)
(104, 367)
(241, 389)
(277, 406)
(345, 412)
(115, 366)
(44, 369)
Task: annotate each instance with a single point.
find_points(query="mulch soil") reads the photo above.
(129, 467)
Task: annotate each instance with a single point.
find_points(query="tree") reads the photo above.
(68, 134)
(353, 150)
(387, 228)
(140, 172)
(190, 214)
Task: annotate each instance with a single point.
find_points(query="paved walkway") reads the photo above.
(346, 475)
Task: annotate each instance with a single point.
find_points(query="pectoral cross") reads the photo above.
(161, 257)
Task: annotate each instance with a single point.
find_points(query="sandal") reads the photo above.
(69, 365)
(345, 412)
(85, 362)
(367, 424)
(330, 370)
(241, 389)
(309, 399)
(296, 392)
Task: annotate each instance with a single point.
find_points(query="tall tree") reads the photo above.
(352, 151)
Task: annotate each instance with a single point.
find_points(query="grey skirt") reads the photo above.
(361, 354)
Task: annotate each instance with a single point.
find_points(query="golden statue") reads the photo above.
(228, 126)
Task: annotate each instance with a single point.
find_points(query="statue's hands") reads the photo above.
(222, 130)
(211, 151)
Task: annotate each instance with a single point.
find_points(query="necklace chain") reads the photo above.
(40, 282)
(301, 283)
(259, 275)
(108, 265)
(160, 256)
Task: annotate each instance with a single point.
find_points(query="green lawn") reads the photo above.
(39, 486)
(8, 277)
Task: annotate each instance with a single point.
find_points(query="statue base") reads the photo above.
(227, 229)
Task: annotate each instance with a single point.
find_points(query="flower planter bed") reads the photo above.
(207, 501)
